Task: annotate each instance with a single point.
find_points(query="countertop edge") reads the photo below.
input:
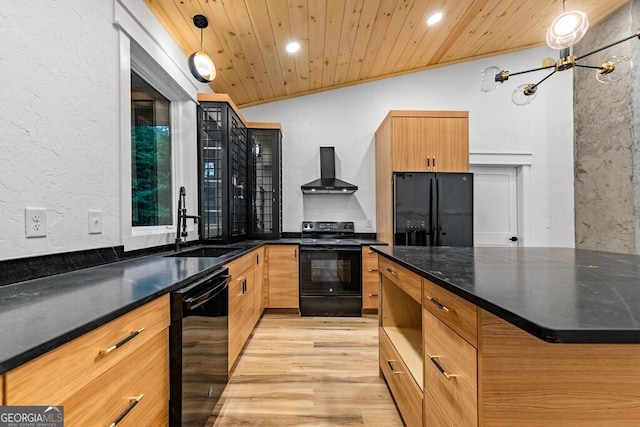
(549, 335)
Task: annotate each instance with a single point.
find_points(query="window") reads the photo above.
(151, 189)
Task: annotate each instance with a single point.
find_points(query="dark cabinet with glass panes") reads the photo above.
(265, 172)
(223, 181)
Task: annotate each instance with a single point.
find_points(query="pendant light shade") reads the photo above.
(567, 29)
(200, 64)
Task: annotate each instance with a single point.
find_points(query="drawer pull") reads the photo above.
(372, 270)
(434, 360)
(121, 343)
(391, 271)
(374, 295)
(438, 304)
(134, 402)
(393, 370)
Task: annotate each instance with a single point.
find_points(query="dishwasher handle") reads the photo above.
(210, 292)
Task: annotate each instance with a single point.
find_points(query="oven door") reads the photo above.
(330, 281)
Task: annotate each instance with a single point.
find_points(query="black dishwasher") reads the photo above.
(198, 342)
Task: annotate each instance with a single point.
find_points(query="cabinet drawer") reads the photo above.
(433, 416)
(369, 269)
(459, 314)
(144, 372)
(405, 390)
(239, 265)
(56, 375)
(370, 294)
(450, 371)
(409, 282)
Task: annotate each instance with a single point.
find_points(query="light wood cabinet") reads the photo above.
(283, 276)
(416, 141)
(370, 280)
(450, 372)
(245, 294)
(400, 335)
(94, 379)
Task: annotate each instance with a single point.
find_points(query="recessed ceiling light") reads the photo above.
(435, 18)
(293, 47)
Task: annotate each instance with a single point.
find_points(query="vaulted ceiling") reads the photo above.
(345, 42)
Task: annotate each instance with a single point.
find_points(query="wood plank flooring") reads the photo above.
(308, 371)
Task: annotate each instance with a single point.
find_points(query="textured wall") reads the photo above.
(57, 123)
(348, 118)
(604, 143)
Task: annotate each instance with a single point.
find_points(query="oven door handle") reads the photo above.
(209, 293)
(320, 248)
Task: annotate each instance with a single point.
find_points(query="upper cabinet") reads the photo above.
(425, 141)
(265, 176)
(239, 173)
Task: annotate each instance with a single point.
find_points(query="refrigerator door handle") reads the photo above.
(438, 234)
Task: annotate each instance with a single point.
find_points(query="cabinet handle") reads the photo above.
(374, 295)
(134, 402)
(244, 286)
(371, 270)
(371, 252)
(393, 370)
(121, 343)
(392, 272)
(434, 360)
(295, 253)
(428, 162)
(434, 162)
(438, 304)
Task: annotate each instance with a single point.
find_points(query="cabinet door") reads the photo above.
(283, 276)
(449, 141)
(241, 312)
(411, 148)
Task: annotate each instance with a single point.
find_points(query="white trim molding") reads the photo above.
(522, 162)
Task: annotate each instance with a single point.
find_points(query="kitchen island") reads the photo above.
(512, 336)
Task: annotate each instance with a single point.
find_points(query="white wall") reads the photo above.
(348, 118)
(60, 146)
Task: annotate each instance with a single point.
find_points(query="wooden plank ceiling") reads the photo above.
(347, 42)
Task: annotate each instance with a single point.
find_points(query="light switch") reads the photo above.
(95, 222)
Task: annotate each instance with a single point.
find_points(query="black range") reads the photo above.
(330, 269)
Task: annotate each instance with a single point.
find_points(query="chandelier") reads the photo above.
(564, 32)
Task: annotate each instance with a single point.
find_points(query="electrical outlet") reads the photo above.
(95, 222)
(35, 222)
(369, 224)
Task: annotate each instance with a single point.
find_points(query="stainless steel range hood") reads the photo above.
(328, 183)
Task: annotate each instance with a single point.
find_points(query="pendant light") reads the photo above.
(200, 64)
(565, 31)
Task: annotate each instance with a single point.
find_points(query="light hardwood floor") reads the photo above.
(309, 371)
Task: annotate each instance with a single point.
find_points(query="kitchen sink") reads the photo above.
(209, 252)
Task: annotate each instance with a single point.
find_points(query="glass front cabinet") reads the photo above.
(265, 158)
(240, 174)
(222, 141)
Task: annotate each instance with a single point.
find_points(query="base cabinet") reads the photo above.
(245, 291)
(471, 368)
(370, 281)
(97, 386)
(283, 276)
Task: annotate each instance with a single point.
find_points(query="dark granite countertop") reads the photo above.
(560, 295)
(39, 315)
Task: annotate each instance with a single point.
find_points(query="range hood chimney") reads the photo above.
(328, 183)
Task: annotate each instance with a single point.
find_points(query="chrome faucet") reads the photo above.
(181, 226)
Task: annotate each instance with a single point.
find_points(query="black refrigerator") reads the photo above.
(433, 208)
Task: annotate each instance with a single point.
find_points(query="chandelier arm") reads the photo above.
(532, 70)
(593, 67)
(540, 82)
(609, 45)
